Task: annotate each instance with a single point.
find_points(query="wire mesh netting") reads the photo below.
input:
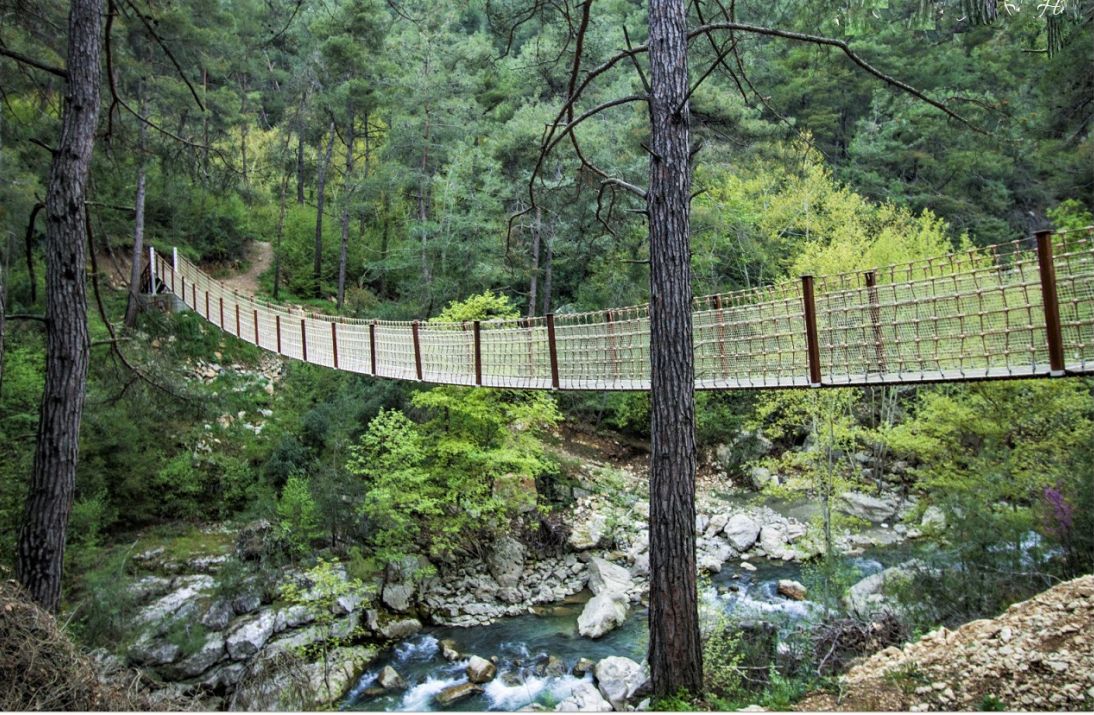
(980, 313)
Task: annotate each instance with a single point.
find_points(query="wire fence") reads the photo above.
(1020, 309)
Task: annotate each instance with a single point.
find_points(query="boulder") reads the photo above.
(711, 554)
(746, 566)
(716, 524)
(252, 539)
(551, 667)
(602, 613)
(153, 652)
(401, 628)
(292, 617)
(867, 599)
(397, 596)
(742, 531)
(791, 589)
(248, 637)
(773, 539)
(246, 603)
(449, 651)
(180, 603)
(584, 697)
(619, 679)
(589, 534)
(506, 562)
(389, 679)
(480, 670)
(641, 565)
(871, 508)
(606, 577)
(218, 615)
(455, 693)
(210, 653)
(761, 477)
(934, 519)
(583, 666)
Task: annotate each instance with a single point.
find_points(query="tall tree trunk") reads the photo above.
(548, 262)
(280, 232)
(133, 307)
(3, 274)
(344, 248)
(533, 282)
(243, 132)
(320, 200)
(41, 550)
(423, 202)
(675, 652)
(384, 224)
(300, 165)
(204, 124)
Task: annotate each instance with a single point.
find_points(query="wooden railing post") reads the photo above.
(875, 317)
(372, 345)
(613, 354)
(207, 313)
(257, 341)
(1053, 330)
(151, 270)
(334, 342)
(721, 335)
(221, 312)
(277, 325)
(304, 339)
(476, 328)
(238, 329)
(417, 350)
(552, 350)
(183, 278)
(812, 345)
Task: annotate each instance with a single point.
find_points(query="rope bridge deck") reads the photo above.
(1020, 309)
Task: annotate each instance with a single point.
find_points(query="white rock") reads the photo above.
(871, 508)
(619, 679)
(584, 697)
(742, 531)
(588, 534)
(480, 670)
(717, 523)
(606, 577)
(602, 613)
(249, 637)
(506, 562)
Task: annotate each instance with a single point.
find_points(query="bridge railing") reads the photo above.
(1019, 309)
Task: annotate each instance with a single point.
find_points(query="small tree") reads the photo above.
(297, 516)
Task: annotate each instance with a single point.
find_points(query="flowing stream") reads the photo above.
(524, 643)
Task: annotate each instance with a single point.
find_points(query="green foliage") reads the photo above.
(103, 604)
(990, 703)
(297, 516)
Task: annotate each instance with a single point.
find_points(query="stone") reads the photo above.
(400, 629)
(293, 617)
(711, 554)
(867, 599)
(389, 679)
(619, 679)
(791, 589)
(153, 652)
(933, 519)
(480, 670)
(717, 523)
(246, 603)
(347, 603)
(397, 596)
(602, 613)
(210, 653)
(449, 651)
(871, 508)
(552, 667)
(218, 615)
(583, 666)
(641, 565)
(761, 477)
(584, 697)
(606, 577)
(506, 562)
(180, 603)
(589, 534)
(742, 531)
(455, 693)
(249, 636)
(746, 566)
(773, 539)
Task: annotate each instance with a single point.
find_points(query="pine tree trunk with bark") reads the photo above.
(675, 651)
(320, 201)
(41, 548)
(344, 247)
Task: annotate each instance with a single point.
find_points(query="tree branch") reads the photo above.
(31, 62)
(166, 51)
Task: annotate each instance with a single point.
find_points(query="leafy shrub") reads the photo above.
(297, 516)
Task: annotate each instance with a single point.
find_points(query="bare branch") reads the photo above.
(166, 50)
(31, 62)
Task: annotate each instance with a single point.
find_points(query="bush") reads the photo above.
(297, 516)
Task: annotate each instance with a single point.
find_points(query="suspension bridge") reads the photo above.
(1021, 309)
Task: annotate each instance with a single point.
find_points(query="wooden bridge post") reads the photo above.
(207, 313)
(417, 350)
(476, 328)
(257, 341)
(875, 317)
(811, 342)
(613, 354)
(372, 345)
(304, 338)
(721, 335)
(238, 330)
(552, 350)
(222, 312)
(1053, 330)
(183, 289)
(277, 325)
(151, 270)
(175, 269)
(334, 342)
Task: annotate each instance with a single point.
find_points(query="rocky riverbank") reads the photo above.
(1038, 655)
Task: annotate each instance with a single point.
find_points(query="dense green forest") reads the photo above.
(384, 160)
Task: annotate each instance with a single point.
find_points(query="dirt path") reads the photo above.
(259, 259)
